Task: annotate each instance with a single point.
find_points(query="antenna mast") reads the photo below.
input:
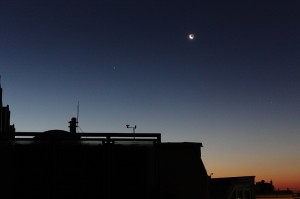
(77, 115)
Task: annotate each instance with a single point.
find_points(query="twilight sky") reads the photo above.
(235, 87)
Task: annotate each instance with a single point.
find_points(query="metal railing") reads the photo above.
(106, 137)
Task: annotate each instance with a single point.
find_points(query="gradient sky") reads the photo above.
(235, 87)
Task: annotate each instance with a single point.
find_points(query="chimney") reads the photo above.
(73, 125)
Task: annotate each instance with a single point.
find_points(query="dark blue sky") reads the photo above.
(235, 87)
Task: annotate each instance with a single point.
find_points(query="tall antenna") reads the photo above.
(0, 96)
(77, 115)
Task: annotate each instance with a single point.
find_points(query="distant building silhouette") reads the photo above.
(266, 189)
(5, 128)
(263, 187)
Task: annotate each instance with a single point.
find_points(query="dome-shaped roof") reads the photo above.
(56, 135)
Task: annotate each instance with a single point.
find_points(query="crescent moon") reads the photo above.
(191, 36)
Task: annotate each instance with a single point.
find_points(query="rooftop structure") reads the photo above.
(59, 164)
(232, 188)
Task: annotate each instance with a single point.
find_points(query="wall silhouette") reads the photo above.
(183, 174)
(58, 165)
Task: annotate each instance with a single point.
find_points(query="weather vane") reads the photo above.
(131, 127)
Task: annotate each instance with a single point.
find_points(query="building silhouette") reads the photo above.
(232, 188)
(5, 127)
(264, 187)
(59, 164)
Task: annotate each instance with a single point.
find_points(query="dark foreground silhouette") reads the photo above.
(59, 164)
